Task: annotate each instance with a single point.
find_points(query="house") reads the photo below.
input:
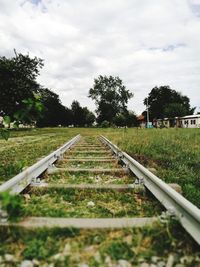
(141, 121)
(190, 121)
(159, 123)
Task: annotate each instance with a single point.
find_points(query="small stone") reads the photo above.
(108, 260)
(26, 263)
(47, 265)
(27, 196)
(187, 259)
(58, 256)
(89, 249)
(123, 263)
(97, 256)
(128, 239)
(176, 187)
(8, 257)
(3, 216)
(144, 264)
(154, 259)
(67, 250)
(161, 264)
(90, 204)
(153, 170)
(35, 262)
(170, 261)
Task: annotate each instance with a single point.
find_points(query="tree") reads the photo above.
(175, 110)
(78, 114)
(131, 119)
(120, 120)
(111, 97)
(128, 119)
(81, 115)
(166, 102)
(17, 81)
(89, 117)
(54, 112)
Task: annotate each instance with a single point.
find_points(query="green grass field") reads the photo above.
(174, 153)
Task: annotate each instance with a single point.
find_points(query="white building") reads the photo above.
(190, 121)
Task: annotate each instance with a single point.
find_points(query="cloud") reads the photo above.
(147, 43)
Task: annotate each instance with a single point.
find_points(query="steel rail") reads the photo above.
(186, 212)
(19, 182)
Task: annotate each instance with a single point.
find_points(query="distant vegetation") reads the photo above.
(23, 100)
(111, 98)
(164, 102)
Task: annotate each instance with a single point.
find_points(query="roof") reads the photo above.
(191, 116)
(140, 118)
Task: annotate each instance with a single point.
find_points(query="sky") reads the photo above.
(146, 43)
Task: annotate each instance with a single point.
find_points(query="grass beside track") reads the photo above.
(25, 147)
(99, 248)
(174, 153)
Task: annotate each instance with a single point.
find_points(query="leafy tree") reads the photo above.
(105, 124)
(17, 81)
(89, 117)
(54, 113)
(78, 114)
(81, 115)
(175, 110)
(120, 120)
(128, 119)
(111, 97)
(131, 119)
(162, 100)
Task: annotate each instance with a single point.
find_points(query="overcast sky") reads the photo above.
(146, 43)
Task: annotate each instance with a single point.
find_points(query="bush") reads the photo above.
(105, 124)
(11, 204)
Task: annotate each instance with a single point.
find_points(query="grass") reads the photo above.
(87, 164)
(75, 203)
(79, 178)
(25, 148)
(75, 247)
(175, 155)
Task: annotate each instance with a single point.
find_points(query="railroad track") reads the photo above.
(91, 183)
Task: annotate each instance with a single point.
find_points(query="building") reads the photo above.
(190, 121)
(141, 121)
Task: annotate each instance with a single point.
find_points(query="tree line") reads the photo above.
(24, 100)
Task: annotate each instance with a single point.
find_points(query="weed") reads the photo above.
(11, 204)
(118, 250)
